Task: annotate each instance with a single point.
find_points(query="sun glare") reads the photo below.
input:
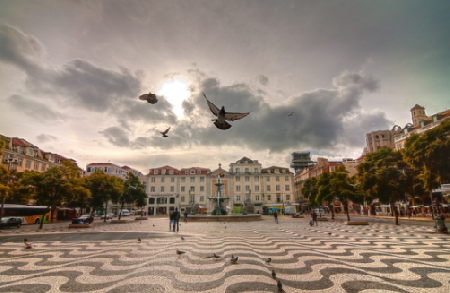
(175, 91)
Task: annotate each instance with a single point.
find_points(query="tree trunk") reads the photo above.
(51, 215)
(104, 214)
(92, 214)
(121, 209)
(346, 212)
(395, 213)
(43, 216)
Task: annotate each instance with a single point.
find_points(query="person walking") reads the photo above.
(171, 220)
(275, 215)
(314, 218)
(176, 219)
(185, 216)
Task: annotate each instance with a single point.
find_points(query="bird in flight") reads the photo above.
(292, 113)
(150, 98)
(27, 244)
(222, 116)
(165, 132)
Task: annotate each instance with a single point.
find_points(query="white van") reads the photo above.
(125, 212)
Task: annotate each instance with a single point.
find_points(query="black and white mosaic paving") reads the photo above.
(331, 257)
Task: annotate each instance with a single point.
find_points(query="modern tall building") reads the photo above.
(301, 161)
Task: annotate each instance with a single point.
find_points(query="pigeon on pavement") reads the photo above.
(27, 244)
(268, 261)
(182, 238)
(179, 252)
(222, 115)
(165, 132)
(274, 275)
(280, 286)
(139, 239)
(234, 260)
(150, 98)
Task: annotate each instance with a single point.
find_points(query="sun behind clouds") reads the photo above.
(175, 91)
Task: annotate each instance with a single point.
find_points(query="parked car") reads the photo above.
(125, 212)
(108, 216)
(320, 211)
(10, 221)
(84, 219)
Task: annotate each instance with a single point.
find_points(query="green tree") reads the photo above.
(383, 176)
(310, 190)
(429, 154)
(337, 185)
(102, 187)
(55, 186)
(132, 191)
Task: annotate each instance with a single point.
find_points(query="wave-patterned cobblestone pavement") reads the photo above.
(330, 258)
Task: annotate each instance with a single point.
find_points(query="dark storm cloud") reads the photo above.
(42, 138)
(19, 49)
(85, 84)
(33, 109)
(323, 118)
(263, 80)
(116, 136)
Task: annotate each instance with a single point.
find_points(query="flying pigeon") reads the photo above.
(292, 113)
(165, 132)
(222, 115)
(179, 252)
(27, 244)
(279, 286)
(268, 260)
(150, 98)
(234, 260)
(182, 238)
(274, 275)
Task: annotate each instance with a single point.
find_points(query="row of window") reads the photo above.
(256, 170)
(27, 163)
(202, 179)
(172, 179)
(105, 169)
(247, 188)
(163, 171)
(172, 189)
(183, 199)
(202, 188)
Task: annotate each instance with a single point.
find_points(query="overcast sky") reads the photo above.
(71, 73)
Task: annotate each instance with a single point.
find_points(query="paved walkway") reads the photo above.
(331, 257)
